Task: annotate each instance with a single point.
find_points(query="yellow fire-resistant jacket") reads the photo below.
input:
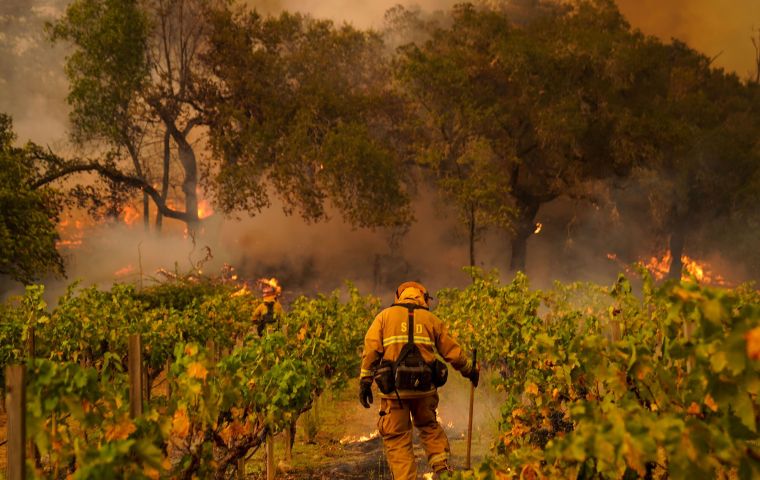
(261, 310)
(389, 333)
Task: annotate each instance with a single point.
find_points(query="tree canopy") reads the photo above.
(304, 112)
(510, 106)
(290, 106)
(548, 100)
(28, 216)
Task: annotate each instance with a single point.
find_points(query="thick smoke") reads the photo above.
(720, 29)
(32, 82)
(360, 14)
(307, 258)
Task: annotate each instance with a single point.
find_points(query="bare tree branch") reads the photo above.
(116, 176)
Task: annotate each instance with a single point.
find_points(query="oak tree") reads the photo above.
(28, 215)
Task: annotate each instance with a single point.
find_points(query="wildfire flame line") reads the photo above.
(359, 438)
(659, 267)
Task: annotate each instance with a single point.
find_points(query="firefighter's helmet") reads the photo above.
(416, 285)
(270, 287)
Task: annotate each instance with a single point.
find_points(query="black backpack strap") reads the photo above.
(410, 334)
(409, 339)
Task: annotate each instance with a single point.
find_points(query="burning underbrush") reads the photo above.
(692, 268)
(349, 439)
(659, 267)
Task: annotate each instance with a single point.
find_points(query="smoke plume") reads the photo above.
(32, 82)
(719, 29)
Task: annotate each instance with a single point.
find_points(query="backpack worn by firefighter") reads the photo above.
(410, 371)
(267, 319)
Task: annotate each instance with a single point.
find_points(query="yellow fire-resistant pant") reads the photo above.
(396, 429)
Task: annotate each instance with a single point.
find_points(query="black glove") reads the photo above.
(365, 392)
(474, 375)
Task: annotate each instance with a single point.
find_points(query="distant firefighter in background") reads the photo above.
(268, 315)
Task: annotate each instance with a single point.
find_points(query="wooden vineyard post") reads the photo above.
(241, 468)
(135, 376)
(168, 379)
(15, 404)
(31, 353)
(270, 457)
(288, 442)
(211, 347)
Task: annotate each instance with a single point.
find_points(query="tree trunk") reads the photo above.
(472, 235)
(677, 241)
(165, 178)
(135, 155)
(189, 163)
(524, 226)
(190, 182)
(146, 211)
(290, 438)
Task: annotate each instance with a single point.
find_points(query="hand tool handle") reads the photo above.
(472, 401)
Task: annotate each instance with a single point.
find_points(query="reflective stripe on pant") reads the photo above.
(396, 429)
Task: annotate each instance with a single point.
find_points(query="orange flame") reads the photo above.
(124, 271)
(359, 438)
(699, 270)
(71, 233)
(659, 267)
(204, 209)
(131, 215)
(243, 291)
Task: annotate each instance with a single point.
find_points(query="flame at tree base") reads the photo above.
(700, 271)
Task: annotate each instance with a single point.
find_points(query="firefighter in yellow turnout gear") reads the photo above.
(269, 312)
(402, 408)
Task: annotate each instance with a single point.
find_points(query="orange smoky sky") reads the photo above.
(717, 28)
(362, 14)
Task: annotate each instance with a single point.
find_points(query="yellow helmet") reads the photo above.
(270, 287)
(416, 285)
